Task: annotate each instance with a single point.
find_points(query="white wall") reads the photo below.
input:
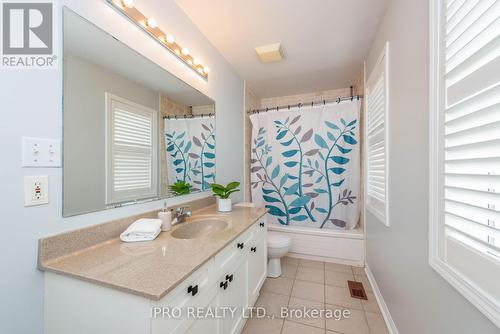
(419, 300)
(30, 105)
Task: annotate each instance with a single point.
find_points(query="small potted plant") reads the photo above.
(180, 188)
(224, 203)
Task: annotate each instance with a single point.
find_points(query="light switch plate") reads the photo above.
(41, 152)
(36, 190)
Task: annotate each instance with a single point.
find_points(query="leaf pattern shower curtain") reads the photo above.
(305, 165)
(190, 144)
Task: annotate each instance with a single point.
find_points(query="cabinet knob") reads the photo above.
(223, 285)
(229, 278)
(253, 249)
(261, 224)
(193, 290)
(240, 245)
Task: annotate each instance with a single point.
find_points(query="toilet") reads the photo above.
(277, 247)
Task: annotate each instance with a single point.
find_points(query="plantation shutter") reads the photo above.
(376, 140)
(131, 157)
(471, 180)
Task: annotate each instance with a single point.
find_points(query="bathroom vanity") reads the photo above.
(168, 285)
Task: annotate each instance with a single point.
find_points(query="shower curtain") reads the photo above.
(305, 165)
(190, 144)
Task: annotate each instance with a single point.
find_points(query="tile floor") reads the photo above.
(316, 285)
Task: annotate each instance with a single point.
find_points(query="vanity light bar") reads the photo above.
(168, 41)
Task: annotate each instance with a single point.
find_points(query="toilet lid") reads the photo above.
(278, 240)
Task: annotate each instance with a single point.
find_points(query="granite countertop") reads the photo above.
(151, 269)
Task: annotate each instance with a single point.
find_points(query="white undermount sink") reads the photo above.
(196, 228)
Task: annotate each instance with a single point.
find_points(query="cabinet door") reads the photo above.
(235, 297)
(209, 324)
(257, 267)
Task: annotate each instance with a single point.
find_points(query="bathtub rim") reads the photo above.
(356, 233)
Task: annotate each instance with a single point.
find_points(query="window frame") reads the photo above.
(381, 65)
(112, 199)
(481, 299)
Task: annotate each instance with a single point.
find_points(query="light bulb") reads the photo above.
(178, 51)
(151, 22)
(206, 70)
(196, 61)
(185, 51)
(190, 62)
(128, 3)
(200, 70)
(170, 39)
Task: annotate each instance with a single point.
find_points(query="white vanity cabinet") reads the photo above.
(257, 261)
(232, 278)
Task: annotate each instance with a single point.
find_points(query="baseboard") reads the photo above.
(325, 259)
(381, 303)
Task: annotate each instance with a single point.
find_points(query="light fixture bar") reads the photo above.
(148, 24)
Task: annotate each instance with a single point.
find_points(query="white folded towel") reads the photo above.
(143, 229)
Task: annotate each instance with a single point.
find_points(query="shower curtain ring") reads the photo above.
(338, 100)
(277, 108)
(288, 107)
(300, 105)
(324, 102)
(312, 103)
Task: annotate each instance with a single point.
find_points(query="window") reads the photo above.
(465, 149)
(377, 138)
(131, 151)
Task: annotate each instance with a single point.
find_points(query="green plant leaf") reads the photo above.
(232, 185)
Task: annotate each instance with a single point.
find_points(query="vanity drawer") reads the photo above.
(236, 249)
(259, 229)
(194, 291)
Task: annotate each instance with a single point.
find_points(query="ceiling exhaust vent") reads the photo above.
(270, 53)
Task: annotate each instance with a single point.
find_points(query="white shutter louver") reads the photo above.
(376, 143)
(471, 132)
(131, 157)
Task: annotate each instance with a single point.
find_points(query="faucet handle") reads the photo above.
(181, 209)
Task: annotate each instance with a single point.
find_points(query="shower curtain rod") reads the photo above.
(189, 116)
(311, 103)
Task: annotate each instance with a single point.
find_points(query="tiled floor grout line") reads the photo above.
(324, 293)
(289, 298)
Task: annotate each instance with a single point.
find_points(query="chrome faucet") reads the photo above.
(181, 213)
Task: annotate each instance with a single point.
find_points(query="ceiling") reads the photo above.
(325, 41)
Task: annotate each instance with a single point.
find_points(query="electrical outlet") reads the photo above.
(36, 190)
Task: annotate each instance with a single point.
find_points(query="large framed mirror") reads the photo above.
(132, 132)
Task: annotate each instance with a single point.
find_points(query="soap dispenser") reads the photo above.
(165, 215)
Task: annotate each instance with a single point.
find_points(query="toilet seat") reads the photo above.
(275, 240)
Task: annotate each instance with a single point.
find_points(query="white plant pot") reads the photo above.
(224, 205)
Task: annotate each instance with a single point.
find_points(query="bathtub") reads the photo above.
(339, 246)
